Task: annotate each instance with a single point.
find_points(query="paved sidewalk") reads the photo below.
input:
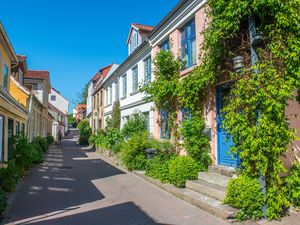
(74, 186)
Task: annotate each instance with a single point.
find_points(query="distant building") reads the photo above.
(57, 101)
(97, 114)
(80, 112)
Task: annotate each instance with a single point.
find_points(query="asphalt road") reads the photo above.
(75, 187)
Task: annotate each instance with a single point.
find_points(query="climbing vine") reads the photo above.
(163, 91)
(255, 110)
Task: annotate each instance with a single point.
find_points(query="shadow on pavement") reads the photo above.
(123, 214)
(62, 181)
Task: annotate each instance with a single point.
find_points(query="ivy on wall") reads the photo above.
(255, 111)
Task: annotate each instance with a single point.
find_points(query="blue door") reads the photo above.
(224, 140)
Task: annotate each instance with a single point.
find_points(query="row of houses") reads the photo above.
(180, 31)
(28, 103)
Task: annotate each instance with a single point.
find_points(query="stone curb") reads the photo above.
(205, 203)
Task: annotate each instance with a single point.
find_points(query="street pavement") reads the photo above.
(75, 187)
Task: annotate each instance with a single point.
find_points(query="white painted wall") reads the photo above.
(89, 101)
(60, 103)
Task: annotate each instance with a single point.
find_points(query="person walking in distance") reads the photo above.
(59, 136)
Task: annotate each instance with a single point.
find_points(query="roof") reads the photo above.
(142, 27)
(81, 106)
(53, 108)
(104, 71)
(21, 58)
(37, 74)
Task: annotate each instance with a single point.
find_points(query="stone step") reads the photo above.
(202, 201)
(222, 170)
(214, 178)
(212, 190)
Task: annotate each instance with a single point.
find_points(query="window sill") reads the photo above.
(187, 70)
(133, 93)
(123, 98)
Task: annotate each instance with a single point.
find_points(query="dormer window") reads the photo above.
(134, 43)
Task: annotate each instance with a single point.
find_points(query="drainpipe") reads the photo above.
(29, 113)
(254, 60)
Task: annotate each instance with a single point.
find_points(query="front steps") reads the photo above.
(213, 185)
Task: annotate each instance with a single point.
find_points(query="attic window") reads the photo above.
(134, 41)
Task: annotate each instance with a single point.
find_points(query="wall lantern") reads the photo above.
(238, 63)
(256, 39)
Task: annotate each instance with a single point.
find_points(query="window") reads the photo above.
(147, 69)
(146, 115)
(17, 128)
(134, 41)
(135, 79)
(53, 98)
(164, 127)
(1, 138)
(188, 44)
(21, 77)
(165, 45)
(116, 90)
(5, 77)
(106, 102)
(23, 127)
(124, 86)
(110, 95)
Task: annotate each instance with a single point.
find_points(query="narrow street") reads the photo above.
(74, 186)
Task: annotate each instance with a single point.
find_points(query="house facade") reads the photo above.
(40, 122)
(13, 115)
(123, 85)
(62, 105)
(98, 97)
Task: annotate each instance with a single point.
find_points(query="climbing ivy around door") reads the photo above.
(224, 140)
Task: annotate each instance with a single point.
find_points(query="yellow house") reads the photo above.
(13, 115)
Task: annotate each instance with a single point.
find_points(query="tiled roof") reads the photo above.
(37, 74)
(106, 69)
(21, 58)
(143, 27)
(81, 106)
(96, 77)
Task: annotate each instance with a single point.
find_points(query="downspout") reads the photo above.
(254, 60)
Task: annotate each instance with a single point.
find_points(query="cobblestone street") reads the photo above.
(74, 186)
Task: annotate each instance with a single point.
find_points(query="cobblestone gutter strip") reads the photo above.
(207, 204)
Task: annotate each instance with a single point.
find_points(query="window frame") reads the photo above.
(147, 69)
(165, 46)
(53, 99)
(124, 85)
(135, 79)
(164, 133)
(5, 77)
(2, 123)
(187, 38)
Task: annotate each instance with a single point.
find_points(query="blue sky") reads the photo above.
(74, 39)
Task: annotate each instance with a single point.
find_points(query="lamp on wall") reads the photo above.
(238, 63)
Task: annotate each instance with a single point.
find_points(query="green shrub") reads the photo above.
(293, 185)
(117, 148)
(136, 124)
(196, 142)
(42, 142)
(133, 154)
(85, 132)
(245, 194)
(158, 168)
(3, 203)
(181, 169)
(112, 137)
(92, 139)
(9, 177)
(50, 139)
(27, 154)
